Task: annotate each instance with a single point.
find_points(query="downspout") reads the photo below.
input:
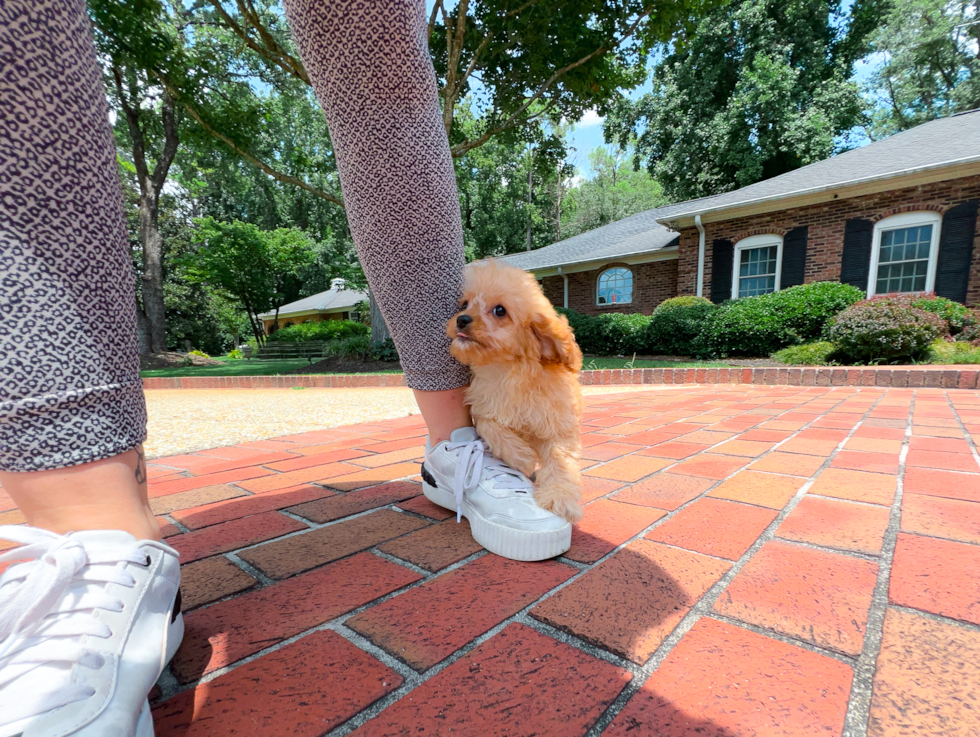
(697, 224)
(564, 276)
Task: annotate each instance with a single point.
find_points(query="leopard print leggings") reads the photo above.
(70, 389)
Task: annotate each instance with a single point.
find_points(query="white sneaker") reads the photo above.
(460, 474)
(86, 627)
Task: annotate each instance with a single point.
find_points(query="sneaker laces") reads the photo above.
(474, 462)
(47, 605)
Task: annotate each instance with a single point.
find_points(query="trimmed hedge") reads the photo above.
(808, 354)
(886, 329)
(676, 323)
(325, 330)
(763, 325)
(609, 334)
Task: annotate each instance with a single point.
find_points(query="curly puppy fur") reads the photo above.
(524, 395)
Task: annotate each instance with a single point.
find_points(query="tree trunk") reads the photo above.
(142, 331)
(152, 244)
(379, 329)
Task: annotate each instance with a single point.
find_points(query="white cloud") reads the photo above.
(590, 119)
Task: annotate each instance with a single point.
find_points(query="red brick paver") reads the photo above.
(733, 540)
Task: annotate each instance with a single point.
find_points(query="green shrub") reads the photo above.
(971, 331)
(355, 346)
(235, 353)
(384, 350)
(202, 354)
(325, 330)
(944, 351)
(763, 325)
(675, 324)
(956, 316)
(608, 334)
(885, 330)
(808, 354)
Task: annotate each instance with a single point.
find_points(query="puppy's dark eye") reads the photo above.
(499, 311)
(464, 305)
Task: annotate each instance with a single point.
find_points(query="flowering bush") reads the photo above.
(885, 329)
(675, 324)
(956, 316)
(760, 326)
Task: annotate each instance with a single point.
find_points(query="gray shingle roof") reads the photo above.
(640, 233)
(932, 145)
(332, 299)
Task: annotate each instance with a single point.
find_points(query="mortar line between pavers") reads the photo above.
(850, 660)
(969, 626)
(389, 660)
(870, 557)
(704, 605)
(404, 563)
(174, 522)
(862, 682)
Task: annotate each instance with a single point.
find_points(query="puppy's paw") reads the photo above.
(561, 506)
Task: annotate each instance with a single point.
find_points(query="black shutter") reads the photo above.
(722, 253)
(794, 258)
(956, 251)
(856, 261)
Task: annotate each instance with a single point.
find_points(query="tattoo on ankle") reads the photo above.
(140, 466)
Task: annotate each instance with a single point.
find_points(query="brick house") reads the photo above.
(898, 215)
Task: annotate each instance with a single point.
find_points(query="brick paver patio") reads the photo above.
(753, 561)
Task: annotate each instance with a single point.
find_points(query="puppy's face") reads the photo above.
(504, 317)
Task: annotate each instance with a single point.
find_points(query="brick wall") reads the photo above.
(652, 284)
(825, 240)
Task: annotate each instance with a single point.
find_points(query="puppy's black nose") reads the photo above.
(462, 321)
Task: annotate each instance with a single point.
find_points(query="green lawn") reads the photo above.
(233, 367)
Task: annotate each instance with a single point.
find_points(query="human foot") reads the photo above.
(460, 474)
(87, 624)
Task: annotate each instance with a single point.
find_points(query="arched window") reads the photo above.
(615, 287)
(757, 265)
(904, 252)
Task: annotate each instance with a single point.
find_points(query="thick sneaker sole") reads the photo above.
(144, 727)
(526, 545)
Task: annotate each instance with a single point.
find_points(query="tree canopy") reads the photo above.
(931, 67)
(760, 87)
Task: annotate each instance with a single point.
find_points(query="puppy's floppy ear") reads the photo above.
(556, 341)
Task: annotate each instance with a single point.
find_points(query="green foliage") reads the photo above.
(676, 323)
(608, 334)
(325, 330)
(384, 350)
(808, 354)
(885, 330)
(235, 353)
(261, 269)
(956, 316)
(760, 326)
(202, 354)
(613, 190)
(946, 352)
(351, 347)
(761, 87)
(930, 64)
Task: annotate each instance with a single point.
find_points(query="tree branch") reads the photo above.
(170, 141)
(133, 123)
(275, 54)
(460, 149)
(249, 157)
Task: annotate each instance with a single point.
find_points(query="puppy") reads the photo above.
(524, 395)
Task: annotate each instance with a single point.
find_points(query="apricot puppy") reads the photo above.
(524, 394)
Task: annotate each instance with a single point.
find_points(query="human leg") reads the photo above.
(72, 416)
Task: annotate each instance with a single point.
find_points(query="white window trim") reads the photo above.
(757, 241)
(598, 278)
(906, 220)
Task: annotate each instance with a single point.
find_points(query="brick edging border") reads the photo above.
(942, 378)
